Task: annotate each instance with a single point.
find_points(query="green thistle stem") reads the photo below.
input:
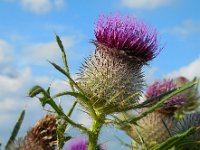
(94, 134)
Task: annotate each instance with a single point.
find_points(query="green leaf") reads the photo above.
(59, 69)
(64, 57)
(71, 109)
(16, 129)
(60, 43)
(141, 139)
(67, 138)
(172, 141)
(74, 94)
(156, 98)
(35, 91)
(67, 75)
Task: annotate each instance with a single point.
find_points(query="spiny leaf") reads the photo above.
(60, 43)
(172, 141)
(74, 94)
(64, 57)
(67, 75)
(187, 142)
(59, 68)
(156, 98)
(141, 139)
(16, 129)
(35, 91)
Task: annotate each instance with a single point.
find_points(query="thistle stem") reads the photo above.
(94, 134)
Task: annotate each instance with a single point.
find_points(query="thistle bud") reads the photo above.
(42, 136)
(113, 73)
(161, 87)
(151, 128)
(182, 101)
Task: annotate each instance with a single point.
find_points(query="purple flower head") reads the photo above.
(80, 143)
(161, 87)
(128, 36)
(77, 144)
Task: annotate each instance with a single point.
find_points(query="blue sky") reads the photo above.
(27, 41)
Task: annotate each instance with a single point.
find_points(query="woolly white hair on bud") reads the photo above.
(108, 81)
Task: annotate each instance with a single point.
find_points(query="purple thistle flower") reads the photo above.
(161, 87)
(127, 36)
(112, 75)
(77, 144)
(80, 143)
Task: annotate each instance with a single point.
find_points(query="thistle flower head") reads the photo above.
(112, 76)
(80, 143)
(161, 87)
(126, 36)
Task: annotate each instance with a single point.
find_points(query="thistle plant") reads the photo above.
(111, 81)
(111, 77)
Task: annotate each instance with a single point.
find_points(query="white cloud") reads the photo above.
(5, 52)
(190, 71)
(58, 3)
(14, 84)
(149, 73)
(39, 6)
(186, 28)
(49, 50)
(146, 4)
(13, 99)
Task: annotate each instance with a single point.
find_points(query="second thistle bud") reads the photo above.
(155, 127)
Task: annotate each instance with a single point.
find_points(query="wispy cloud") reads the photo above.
(14, 85)
(39, 6)
(145, 4)
(150, 73)
(186, 28)
(190, 71)
(5, 52)
(48, 50)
